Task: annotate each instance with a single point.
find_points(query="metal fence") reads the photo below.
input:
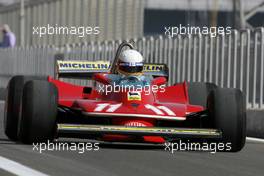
(108, 15)
(235, 60)
(25, 61)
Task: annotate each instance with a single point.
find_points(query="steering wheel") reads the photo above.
(121, 46)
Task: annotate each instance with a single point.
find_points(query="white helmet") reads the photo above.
(130, 62)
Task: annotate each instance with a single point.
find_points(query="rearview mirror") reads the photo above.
(101, 78)
(159, 81)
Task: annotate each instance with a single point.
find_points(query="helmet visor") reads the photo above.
(131, 67)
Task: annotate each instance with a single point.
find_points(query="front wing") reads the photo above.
(65, 130)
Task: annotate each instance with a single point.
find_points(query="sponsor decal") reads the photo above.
(81, 65)
(153, 67)
(133, 96)
(101, 65)
(135, 124)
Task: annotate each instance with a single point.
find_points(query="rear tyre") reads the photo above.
(199, 91)
(227, 111)
(39, 112)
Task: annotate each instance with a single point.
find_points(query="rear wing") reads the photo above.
(86, 69)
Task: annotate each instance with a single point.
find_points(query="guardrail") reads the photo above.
(235, 60)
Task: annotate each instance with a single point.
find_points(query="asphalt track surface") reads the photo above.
(129, 160)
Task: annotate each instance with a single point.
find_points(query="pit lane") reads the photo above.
(131, 160)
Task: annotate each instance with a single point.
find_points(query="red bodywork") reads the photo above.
(172, 104)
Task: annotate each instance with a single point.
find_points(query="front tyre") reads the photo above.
(13, 102)
(39, 112)
(227, 111)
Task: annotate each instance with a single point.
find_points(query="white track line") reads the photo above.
(17, 168)
(255, 139)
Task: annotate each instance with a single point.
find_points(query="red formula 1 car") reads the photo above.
(44, 108)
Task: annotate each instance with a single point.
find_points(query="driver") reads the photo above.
(130, 63)
(130, 70)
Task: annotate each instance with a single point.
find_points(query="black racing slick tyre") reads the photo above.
(13, 103)
(198, 92)
(39, 112)
(227, 110)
